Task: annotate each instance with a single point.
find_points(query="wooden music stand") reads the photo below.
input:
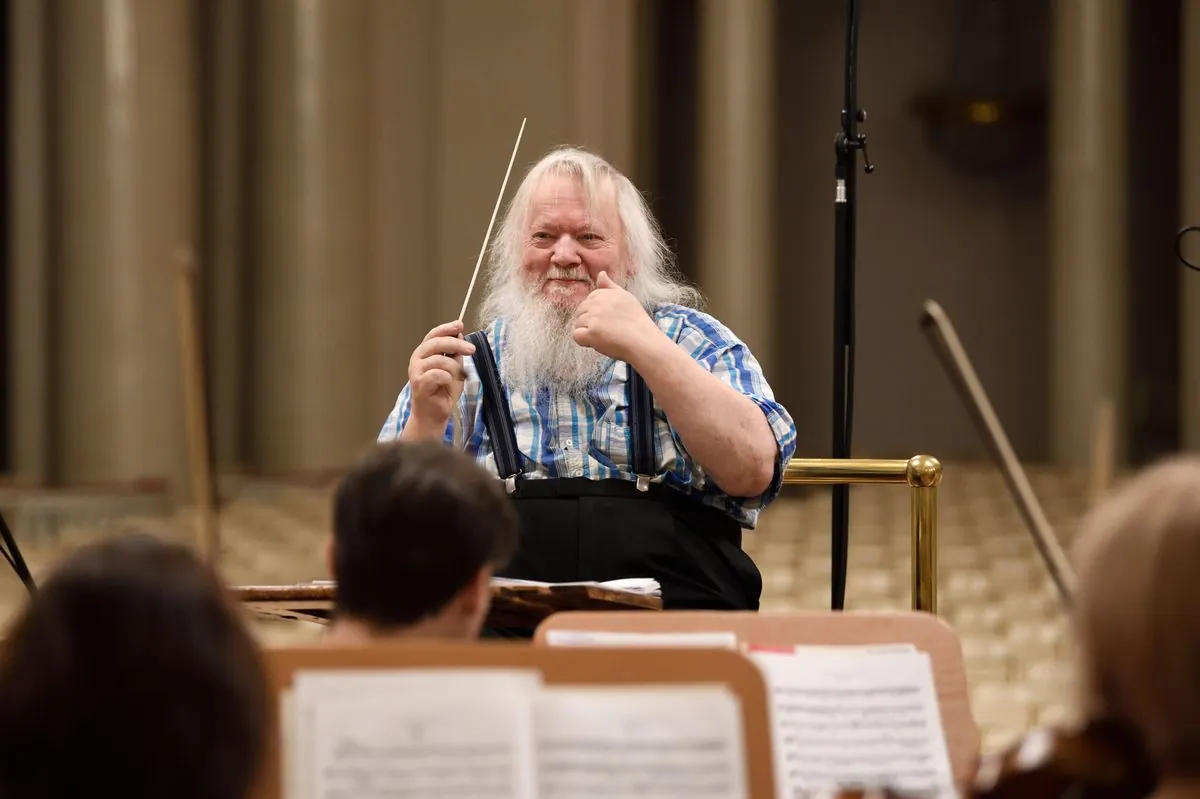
(926, 632)
(559, 666)
(512, 606)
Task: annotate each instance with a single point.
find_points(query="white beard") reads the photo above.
(539, 350)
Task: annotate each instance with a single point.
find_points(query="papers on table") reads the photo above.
(865, 716)
(644, 586)
(498, 733)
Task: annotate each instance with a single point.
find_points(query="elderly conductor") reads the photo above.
(636, 434)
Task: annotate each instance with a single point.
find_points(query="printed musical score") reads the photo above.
(376, 734)
(652, 743)
(501, 734)
(856, 718)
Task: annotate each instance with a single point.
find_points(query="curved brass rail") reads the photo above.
(921, 473)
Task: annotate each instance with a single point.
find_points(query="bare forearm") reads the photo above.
(725, 431)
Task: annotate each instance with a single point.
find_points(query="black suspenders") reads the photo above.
(496, 413)
(641, 420)
(498, 417)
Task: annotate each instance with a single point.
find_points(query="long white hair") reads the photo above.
(653, 277)
(539, 348)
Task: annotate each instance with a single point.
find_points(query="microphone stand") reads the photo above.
(846, 146)
(12, 553)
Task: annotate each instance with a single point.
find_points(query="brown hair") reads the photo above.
(413, 523)
(1138, 611)
(131, 673)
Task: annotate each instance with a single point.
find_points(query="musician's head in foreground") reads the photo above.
(418, 531)
(131, 673)
(1137, 612)
(574, 224)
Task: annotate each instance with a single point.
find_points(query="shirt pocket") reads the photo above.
(609, 442)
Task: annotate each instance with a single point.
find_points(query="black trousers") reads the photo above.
(578, 529)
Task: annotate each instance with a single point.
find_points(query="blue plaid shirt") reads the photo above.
(560, 436)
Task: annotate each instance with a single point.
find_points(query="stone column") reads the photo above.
(223, 259)
(29, 345)
(1189, 140)
(1088, 223)
(737, 150)
(312, 364)
(604, 87)
(124, 150)
(403, 141)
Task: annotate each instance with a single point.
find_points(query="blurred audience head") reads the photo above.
(1137, 616)
(131, 673)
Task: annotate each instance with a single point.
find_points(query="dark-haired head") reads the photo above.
(132, 673)
(418, 531)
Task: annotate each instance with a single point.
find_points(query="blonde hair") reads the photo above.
(654, 279)
(1137, 611)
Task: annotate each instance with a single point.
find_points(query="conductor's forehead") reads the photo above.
(557, 194)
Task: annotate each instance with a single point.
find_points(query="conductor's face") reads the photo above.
(567, 244)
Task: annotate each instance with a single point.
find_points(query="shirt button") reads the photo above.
(579, 472)
(567, 443)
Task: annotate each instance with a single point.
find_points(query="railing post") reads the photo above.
(923, 475)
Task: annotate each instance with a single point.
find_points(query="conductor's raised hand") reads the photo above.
(436, 376)
(613, 322)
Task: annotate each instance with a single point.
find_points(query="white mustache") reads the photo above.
(574, 273)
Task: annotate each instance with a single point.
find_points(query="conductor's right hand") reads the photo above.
(436, 376)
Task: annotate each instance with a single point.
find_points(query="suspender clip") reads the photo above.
(510, 484)
(643, 482)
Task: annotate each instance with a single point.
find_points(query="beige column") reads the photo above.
(125, 154)
(401, 192)
(223, 259)
(30, 422)
(312, 373)
(1088, 217)
(1189, 139)
(737, 118)
(604, 88)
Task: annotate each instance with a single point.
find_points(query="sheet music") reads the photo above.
(853, 649)
(847, 718)
(651, 742)
(583, 638)
(646, 586)
(451, 733)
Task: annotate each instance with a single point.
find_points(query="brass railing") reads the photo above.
(921, 473)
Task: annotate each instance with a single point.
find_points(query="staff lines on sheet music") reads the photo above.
(851, 691)
(835, 713)
(882, 740)
(635, 746)
(642, 790)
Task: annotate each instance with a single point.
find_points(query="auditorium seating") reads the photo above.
(993, 588)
